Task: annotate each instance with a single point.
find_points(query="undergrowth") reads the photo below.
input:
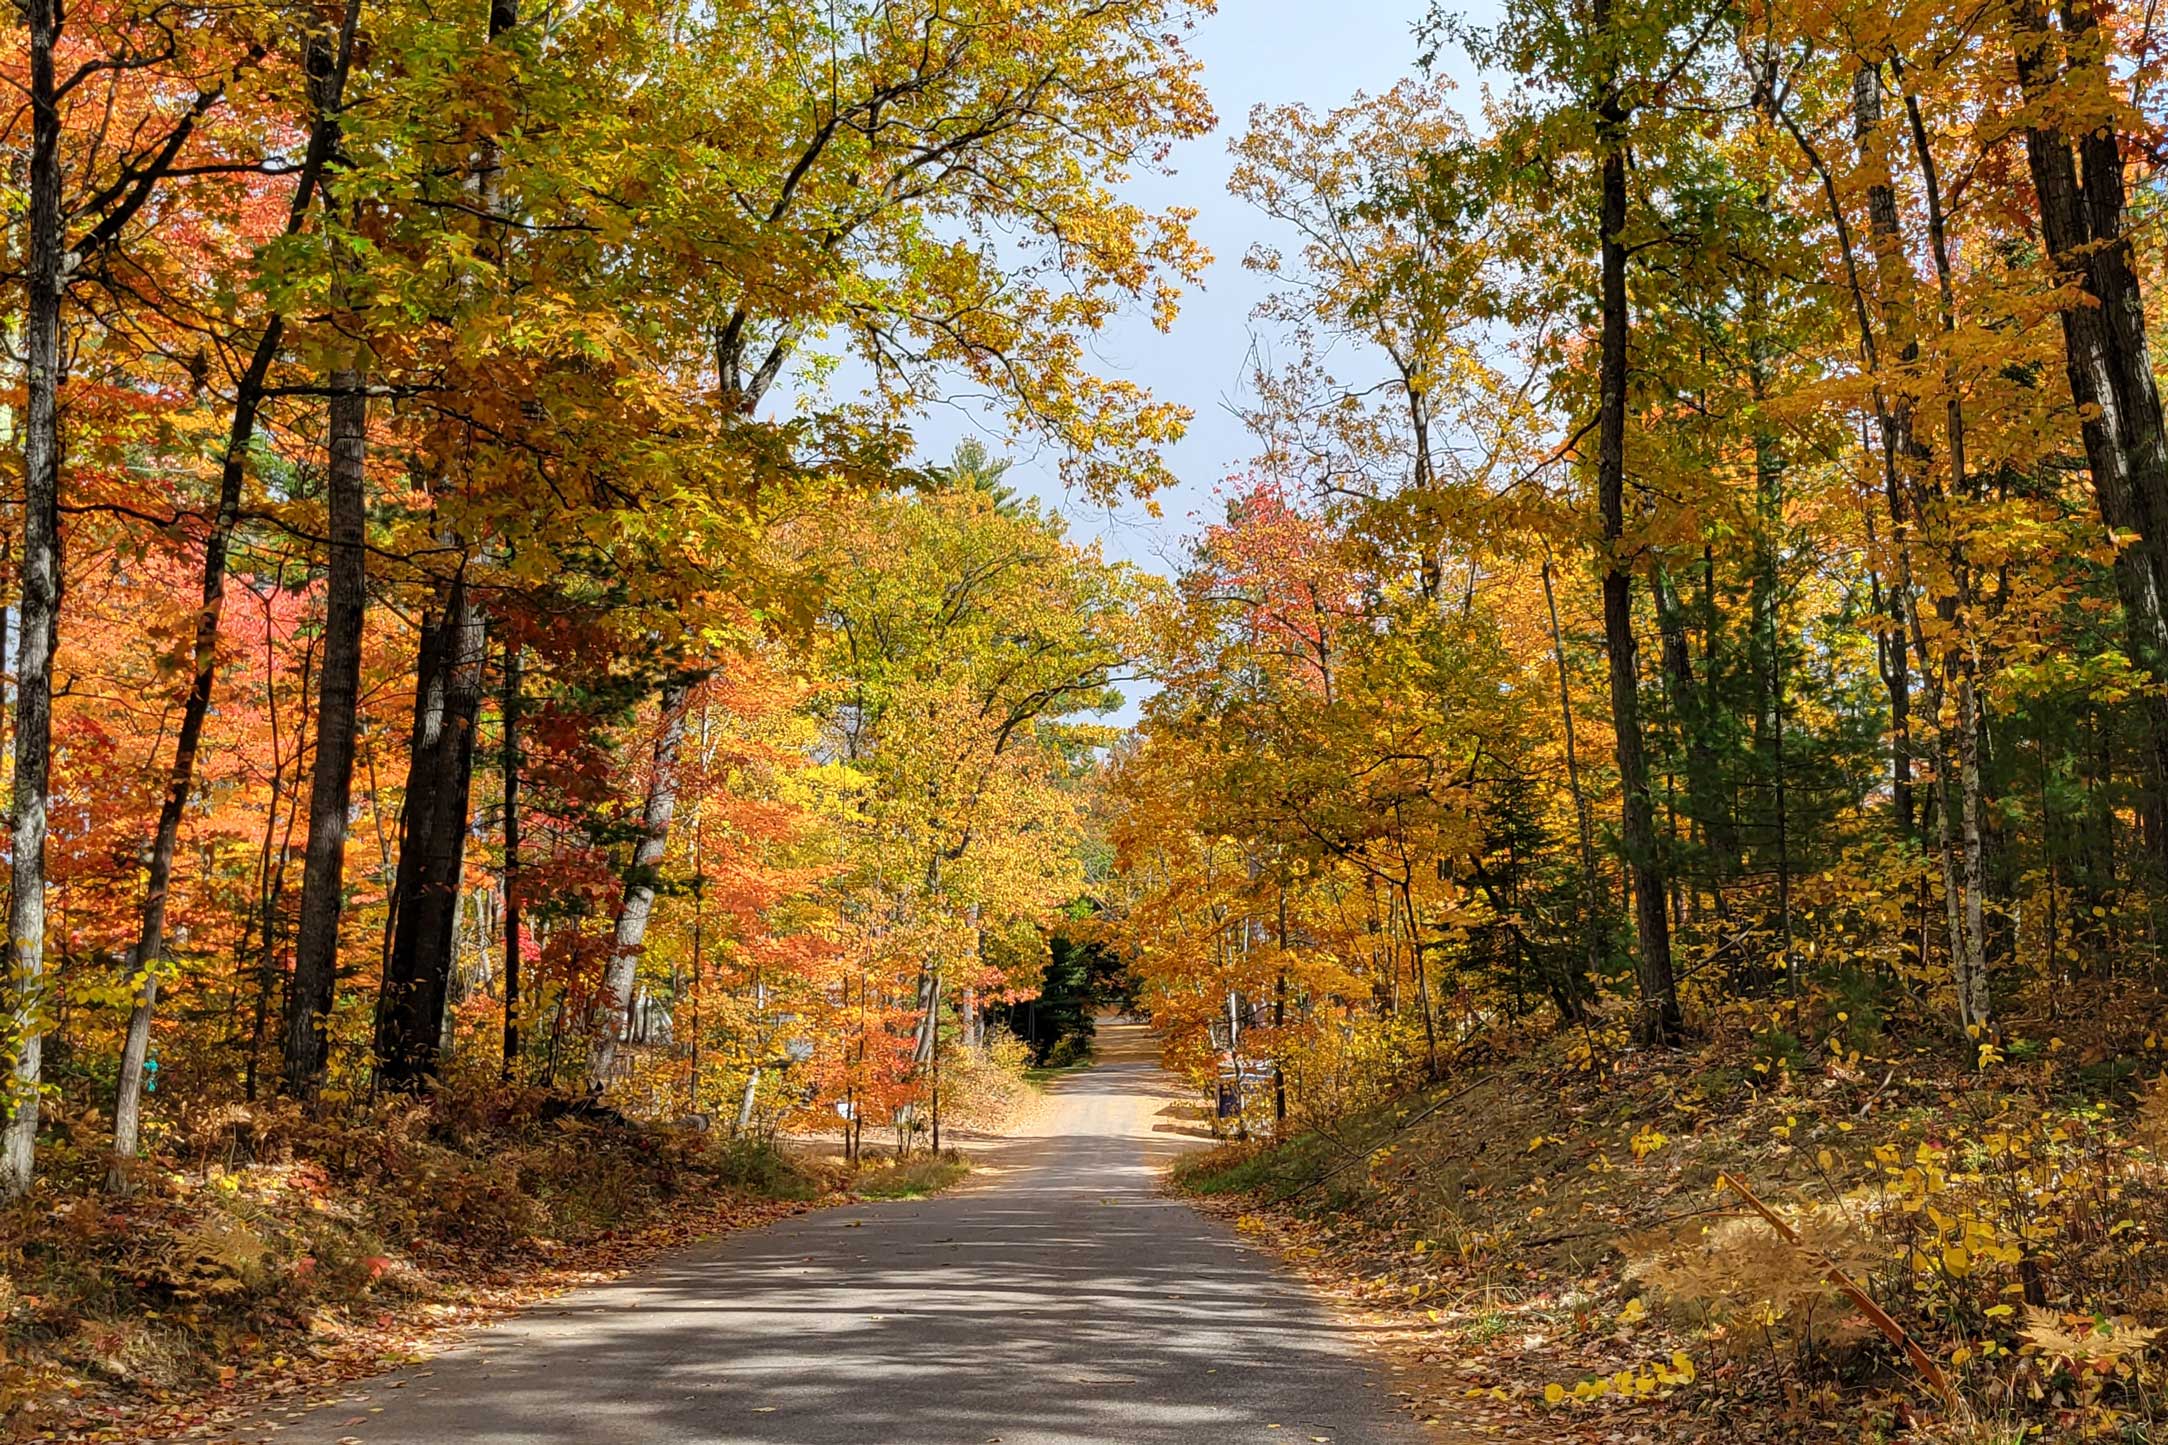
(913, 1178)
(1575, 1240)
(263, 1240)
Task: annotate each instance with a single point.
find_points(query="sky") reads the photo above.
(1254, 52)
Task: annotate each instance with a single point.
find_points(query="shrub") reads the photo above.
(1069, 1051)
(913, 1178)
(760, 1168)
(984, 1088)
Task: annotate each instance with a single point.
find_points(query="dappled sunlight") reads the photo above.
(1063, 1299)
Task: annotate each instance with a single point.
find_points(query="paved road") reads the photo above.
(1059, 1301)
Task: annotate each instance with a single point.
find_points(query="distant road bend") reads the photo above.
(1061, 1301)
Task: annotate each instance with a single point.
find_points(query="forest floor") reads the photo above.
(1553, 1251)
(274, 1259)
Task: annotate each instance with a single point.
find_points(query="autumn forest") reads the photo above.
(1644, 831)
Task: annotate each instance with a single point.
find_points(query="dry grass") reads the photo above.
(1558, 1226)
(269, 1245)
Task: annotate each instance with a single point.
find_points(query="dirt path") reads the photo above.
(1060, 1300)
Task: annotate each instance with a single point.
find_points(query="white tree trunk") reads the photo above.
(612, 1010)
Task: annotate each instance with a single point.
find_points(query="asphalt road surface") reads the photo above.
(1057, 1301)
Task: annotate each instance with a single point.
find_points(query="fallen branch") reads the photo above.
(1879, 1090)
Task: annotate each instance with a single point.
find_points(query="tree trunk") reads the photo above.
(1782, 780)
(276, 856)
(1969, 963)
(180, 777)
(745, 1103)
(1660, 1019)
(440, 775)
(510, 764)
(1421, 965)
(316, 937)
(1968, 944)
(2115, 278)
(1894, 421)
(1704, 772)
(1279, 1023)
(40, 605)
(1591, 883)
(752, 1078)
(325, 62)
(929, 983)
(925, 1041)
(2106, 362)
(323, 873)
(640, 879)
(432, 841)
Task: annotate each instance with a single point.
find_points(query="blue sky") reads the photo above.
(1254, 52)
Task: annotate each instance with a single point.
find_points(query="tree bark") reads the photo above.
(323, 874)
(1966, 879)
(1968, 964)
(440, 775)
(2105, 354)
(2114, 275)
(1704, 773)
(1660, 1019)
(1421, 964)
(44, 278)
(638, 903)
(276, 856)
(510, 764)
(929, 982)
(1894, 416)
(1279, 1023)
(1591, 882)
(325, 62)
(432, 841)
